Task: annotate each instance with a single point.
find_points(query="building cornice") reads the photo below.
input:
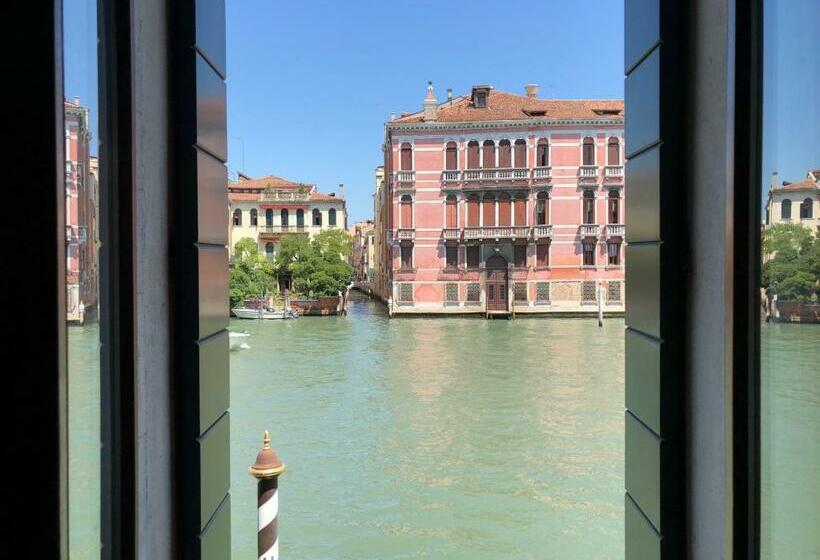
(435, 126)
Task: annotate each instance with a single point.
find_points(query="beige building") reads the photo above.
(380, 281)
(362, 256)
(795, 203)
(269, 208)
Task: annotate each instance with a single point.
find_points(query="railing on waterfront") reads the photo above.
(451, 234)
(590, 230)
(497, 232)
(615, 230)
(614, 171)
(282, 229)
(405, 176)
(406, 234)
(542, 232)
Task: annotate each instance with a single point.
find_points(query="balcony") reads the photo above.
(451, 234)
(615, 230)
(282, 230)
(450, 176)
(406, 234)
(478, 175)
(590, 230)
(288, 196)
(542, 232)
(496, 232)
(512, 175)
(588, 173)
(542, 174)
(405, 177)
(614, 172)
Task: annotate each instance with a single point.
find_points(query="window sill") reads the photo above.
(614, 267)
(542, 268)
(589, 267)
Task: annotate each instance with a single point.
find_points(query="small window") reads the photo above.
(520, 291)
(284, 215)
(520, 256)
(504, 154)
(541, 213)
(237, 217)
(473, 211)
(406, 292)
(614, 207)
(407, 257)
(473, 291)
(613, 152)
(472, 256)
(488, 154)
(786, 209)
(451, 211)
(588, 291)
(254, 217)
(542, 254)
(451, 256)
(589, 207)
(806, 209)
(520, 153)
(269, 251)
(589, 253)
(300, 217)
(613, 291)
(613, 251)
(480, 101)
(542, 153)
(542, 292)
(268, 217)
(451, 292)
(588, 151)
(406, 157)
(331, 217)
(451, 157)
(473, 157)
(406, 215)
(317, 217)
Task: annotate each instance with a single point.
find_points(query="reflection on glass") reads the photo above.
(790, 335)
(82, 238)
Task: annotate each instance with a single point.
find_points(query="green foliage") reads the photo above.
(251, 273)
(317, 267)
(793, 271)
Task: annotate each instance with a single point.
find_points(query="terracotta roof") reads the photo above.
(323, 196)
(502, 105)
(266, 181)
(249, 196)
(804, 185)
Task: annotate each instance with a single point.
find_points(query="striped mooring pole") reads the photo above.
(266, 470)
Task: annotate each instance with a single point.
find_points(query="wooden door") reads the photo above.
(496, 284)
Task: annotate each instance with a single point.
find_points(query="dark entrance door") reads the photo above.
(496, 283)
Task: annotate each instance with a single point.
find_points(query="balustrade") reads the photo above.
(496, 232)
(614, 171)
(590, 230)
(405, 176)
(615, 230)
(588, 171)
(406, 234)
(542, 232)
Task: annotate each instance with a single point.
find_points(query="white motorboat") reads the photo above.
(248, 313)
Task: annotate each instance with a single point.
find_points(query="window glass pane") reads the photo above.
(790, 335)
(83, 241)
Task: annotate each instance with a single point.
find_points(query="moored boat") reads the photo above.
(250, 313)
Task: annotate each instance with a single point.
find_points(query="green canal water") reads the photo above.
(453, 438)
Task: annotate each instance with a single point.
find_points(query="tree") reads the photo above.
(317, 267)
(793, 269)
(251, 273)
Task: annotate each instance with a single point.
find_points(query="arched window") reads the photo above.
(488, 210)
(300, 218)
(406, 217)
(613, 152)
(331, 217)
(786, 209)
(406, 157)
(268, 217)
(542, 153)
(589, 207)
(542, 208)
(284, 215)
(451, 211)
(520, 153)
(254, 217)
(473, 211)
(237, 217)
(806, 209)
(504, 210)
(614, 207)
(488, 155)
(588, 154)
(473, 157)
(589, 252)
(504, 154)
(317, 217)
(451, 157)
(269, 251)
(520, 210)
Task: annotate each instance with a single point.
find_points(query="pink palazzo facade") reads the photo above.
(507, 204)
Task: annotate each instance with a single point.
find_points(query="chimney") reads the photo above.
(341, 190)
(532, 90)
(430, 104)
(450, 94)
(775, 180)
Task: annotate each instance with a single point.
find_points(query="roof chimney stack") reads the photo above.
(341, 190)
(430, 104)
(532, 90)
(775, 180)
(450, 94)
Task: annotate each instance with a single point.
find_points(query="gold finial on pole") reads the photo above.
(267, 463)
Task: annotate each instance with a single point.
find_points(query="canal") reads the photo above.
(452, 438)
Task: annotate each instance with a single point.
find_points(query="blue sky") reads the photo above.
(310, 84)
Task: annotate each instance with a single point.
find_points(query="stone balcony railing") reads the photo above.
(294, 196)
(496, 232)
(542, 173)
(406, 234)
(614, 171)
(451, 234)
(512, 174)
(542, 232)
(615, 230)
(282, 229)
(450, 176)
(588, 172)
(590, 230)
(405, 176)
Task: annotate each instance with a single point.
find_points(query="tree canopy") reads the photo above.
(792, 270)
(317, 267)
(251, 273)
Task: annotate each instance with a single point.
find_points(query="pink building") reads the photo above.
(504, 203)
(81, 206)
